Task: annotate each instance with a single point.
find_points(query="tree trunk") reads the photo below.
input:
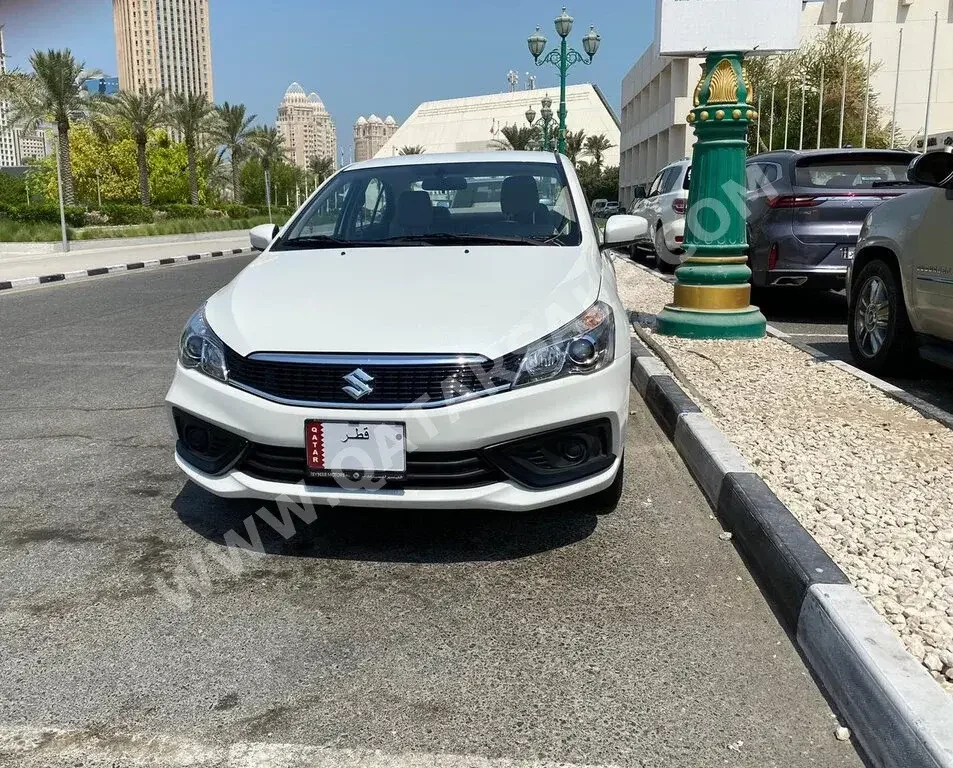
(66, 166)
(143, 171)
(193, 175)
(236, 178)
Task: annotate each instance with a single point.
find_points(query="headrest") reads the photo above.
(519, 195)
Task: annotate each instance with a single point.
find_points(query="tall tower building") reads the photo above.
(8, 137)
(370, 134)
(164, 44)
(307, 127)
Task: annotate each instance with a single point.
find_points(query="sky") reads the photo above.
(369, 56)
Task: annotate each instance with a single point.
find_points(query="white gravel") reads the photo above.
(868, 477)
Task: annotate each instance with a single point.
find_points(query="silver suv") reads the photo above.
(900, 285)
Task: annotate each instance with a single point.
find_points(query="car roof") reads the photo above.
(508, 156)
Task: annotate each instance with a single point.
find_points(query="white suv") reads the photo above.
(664, 211)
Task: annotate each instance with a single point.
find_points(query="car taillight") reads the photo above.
(793, 201)
(679, 205)
(773, 257)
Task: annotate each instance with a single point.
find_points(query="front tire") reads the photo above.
(606, 500)
(878, 328)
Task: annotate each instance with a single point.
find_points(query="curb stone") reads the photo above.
(898, 714)
(58, 277)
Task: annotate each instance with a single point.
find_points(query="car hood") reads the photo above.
(486, 300)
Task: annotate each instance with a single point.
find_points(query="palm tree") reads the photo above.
(596, 146)
(233, 133)
(137, 114)
(54, 91)
(268, 145)
(192, 116)
(516, 137)
(575, 141)
(416, 149)
(321, 168)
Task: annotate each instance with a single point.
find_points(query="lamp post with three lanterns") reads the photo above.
(563, 58)
(544, 124)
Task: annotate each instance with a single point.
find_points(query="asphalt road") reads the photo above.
(632, 639)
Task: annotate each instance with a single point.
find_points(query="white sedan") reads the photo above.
(386, 351)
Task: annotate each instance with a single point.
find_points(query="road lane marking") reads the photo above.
(122, 749)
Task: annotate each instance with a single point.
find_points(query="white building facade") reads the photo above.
(307, 127)
(657, 91)
(473, 124)
(656, 96)
(370, 134)
(9, 144)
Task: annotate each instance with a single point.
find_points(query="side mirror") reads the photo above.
(262, 236)
(623, 229)
(934, 169)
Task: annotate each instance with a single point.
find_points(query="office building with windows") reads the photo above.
(164, 44)
(9, 149)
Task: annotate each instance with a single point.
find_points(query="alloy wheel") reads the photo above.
(872, 316)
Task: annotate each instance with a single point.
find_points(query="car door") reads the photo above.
(648, 206)
(928, 250)
(669, 189)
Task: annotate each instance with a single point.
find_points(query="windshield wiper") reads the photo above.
(446, 238)
(327, 241)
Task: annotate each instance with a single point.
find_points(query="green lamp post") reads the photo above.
(544, 123)
(712, 292)
(563, 58)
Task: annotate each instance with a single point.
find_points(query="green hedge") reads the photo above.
(121, 213)
(236, 211)
(43, 214)
(183, 211)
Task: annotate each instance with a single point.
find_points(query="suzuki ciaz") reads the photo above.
(424, 332)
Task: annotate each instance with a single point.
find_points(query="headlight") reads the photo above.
(201, 349)
(585, 345)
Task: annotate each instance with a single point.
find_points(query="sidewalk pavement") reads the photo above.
(34, 265)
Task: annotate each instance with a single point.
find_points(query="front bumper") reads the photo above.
(466, 426)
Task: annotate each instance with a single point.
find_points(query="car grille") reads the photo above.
(319, 380)
(462, 469)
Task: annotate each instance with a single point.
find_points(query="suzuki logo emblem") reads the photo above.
(358, 383)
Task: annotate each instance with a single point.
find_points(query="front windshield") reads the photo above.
(524, 203)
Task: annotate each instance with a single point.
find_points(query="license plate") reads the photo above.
(847, 252)
(355, 450)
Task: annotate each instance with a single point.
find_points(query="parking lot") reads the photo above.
(818, 319)
(633, 639)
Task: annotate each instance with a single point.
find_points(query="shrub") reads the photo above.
(121, 213)
(235, 211)
(212, 213)
(95, 219)
(183, 211)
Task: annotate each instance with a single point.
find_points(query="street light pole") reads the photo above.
(563, 58)
(544, 122)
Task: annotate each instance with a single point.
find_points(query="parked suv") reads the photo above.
(900, 286)
(805, 210)
(664, 211)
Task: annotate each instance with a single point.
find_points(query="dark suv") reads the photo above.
(805, 210)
